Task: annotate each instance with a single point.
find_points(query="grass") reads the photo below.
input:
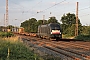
(15, 50)
(12, 48)
(68, 37)
(79, 37)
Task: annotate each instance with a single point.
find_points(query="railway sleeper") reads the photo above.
(75, 52)
(63, 53)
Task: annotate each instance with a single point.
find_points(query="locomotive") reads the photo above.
(50, 31)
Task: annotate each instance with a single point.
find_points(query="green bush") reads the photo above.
(6, 34)
(83, 37)
(18, 51)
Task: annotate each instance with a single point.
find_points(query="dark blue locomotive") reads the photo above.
(51, 31)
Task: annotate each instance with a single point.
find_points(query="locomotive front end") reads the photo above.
(56, 31)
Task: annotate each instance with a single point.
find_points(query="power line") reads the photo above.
(57, 4)
(53, 5)
(85, 15)
(81, 9)
(17, 4)
(49, 7)
(25, 7)
(34, 6)
(84, 8)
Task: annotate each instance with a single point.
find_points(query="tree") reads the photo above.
(85, 30)
(33, 23)
(30, 25)
(41, 22)
(52, 20)
(25, 25)
(68, 24)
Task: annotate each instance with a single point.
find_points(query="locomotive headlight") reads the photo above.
(51, 32)
(60, 32)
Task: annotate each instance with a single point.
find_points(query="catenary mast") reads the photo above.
(6, 13)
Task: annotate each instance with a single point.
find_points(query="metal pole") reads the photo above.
(76, 29)
(4, 20)
(6, 12)
(43, 18)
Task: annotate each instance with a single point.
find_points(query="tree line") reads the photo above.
(32, 24)
(68, 22)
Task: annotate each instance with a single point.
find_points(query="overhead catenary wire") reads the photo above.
(53, 6)
(31, 9)
(33, 6)
(58, 4)
(17, 4)
(48, 7)
(22, 7)
(84, 15)
(74, 10)
(81, 10)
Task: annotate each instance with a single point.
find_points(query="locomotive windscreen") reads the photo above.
(55, 26)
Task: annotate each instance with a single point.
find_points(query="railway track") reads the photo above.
(75, 45)
(60, 48)
(49, 44)
(70, 51)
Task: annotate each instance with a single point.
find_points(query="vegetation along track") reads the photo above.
(63, 48)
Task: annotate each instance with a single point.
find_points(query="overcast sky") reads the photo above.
(21, 10)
